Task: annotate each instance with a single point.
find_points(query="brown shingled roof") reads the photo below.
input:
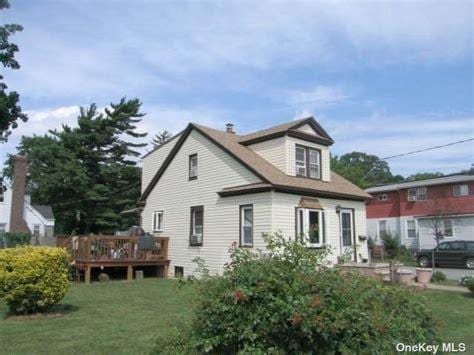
(285, 128)
(271, 176)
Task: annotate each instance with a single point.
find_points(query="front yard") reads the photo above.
(124, 318)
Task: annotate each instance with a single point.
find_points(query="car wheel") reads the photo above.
(470, 263)
(423, 261)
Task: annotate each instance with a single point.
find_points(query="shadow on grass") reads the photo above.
(58, 310)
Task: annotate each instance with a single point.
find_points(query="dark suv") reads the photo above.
(458, 253)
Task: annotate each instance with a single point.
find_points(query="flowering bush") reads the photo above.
(289, 301)
(32, 279)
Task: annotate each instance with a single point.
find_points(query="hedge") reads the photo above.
(32, 279)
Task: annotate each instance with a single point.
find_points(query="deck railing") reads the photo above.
(93, 248)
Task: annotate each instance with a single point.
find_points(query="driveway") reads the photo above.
(452, 274)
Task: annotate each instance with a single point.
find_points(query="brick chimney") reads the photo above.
(17, 223)
(229, 128)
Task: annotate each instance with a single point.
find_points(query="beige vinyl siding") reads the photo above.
(272, 150)
(174, 194)
(283, 217)
(290, 157)
(307, 129)
(153, 161)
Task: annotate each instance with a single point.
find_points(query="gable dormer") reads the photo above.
(298, 148)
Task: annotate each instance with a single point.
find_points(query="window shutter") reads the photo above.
(323, 218)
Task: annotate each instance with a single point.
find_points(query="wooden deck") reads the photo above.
(101, 251)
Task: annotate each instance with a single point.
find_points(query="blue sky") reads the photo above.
(382, 77)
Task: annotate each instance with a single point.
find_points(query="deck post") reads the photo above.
(87, 276)
(129, 273)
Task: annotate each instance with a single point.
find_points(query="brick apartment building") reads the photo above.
(414, 210)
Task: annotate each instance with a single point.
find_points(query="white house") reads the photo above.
(17, 214)
(206, 189)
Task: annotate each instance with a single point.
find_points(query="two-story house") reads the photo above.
(18, 214)
(206, 189)
(415, 211)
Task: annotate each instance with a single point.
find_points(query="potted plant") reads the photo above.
(423, 275)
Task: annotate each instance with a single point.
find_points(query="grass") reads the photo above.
(113, 318)
(455, 311)
(124, 318)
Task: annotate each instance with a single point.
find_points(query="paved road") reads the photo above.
(452, 274)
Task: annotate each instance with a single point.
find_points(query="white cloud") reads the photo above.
(317, 96)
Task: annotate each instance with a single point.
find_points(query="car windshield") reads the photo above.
(444, 246)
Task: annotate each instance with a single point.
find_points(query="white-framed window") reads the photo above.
(307, 162)
(197, 226)
(418, 193)
(411, 229)
(158, 221)
(300, 159)
(382, 197)
(3, 228)
(314, 163)
(460, 190)
(310, 226)
(246, 225)
(448, 228)
(193, 167)
(383, 228)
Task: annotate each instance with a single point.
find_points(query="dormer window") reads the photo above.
(307, 162)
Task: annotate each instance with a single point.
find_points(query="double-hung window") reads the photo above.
(193, 167)
(448, 228)
(307, 162)
(411, 229)
(417, 193)
(246, 225)
(158, 221)
(310, 226)
(197, 226)
(460, 190)
(300, 161)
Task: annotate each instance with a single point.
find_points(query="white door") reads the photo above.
(347, 232)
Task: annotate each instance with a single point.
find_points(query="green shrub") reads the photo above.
(289, 302)
(12, 239)
(391, 244)
(438, 276)
(470, 284)
(32, 279)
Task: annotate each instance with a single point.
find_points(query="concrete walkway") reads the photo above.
(431, 286)
(452, 274)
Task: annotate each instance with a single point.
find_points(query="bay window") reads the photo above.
(310, 226)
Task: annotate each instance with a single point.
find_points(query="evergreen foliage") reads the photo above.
(87, 173)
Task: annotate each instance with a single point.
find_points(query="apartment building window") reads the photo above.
(193, 167)
(460, 190)
(448, 228)
(417, 193)
(411, 229)
(383, 228)
(310, 226)
(197, 226)
(246, 225)
(158, 221)
(382, 197)
(307, 162)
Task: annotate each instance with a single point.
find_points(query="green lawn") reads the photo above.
(124, 318)
(114, 318)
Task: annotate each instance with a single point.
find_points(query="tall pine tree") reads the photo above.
(88, 173)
